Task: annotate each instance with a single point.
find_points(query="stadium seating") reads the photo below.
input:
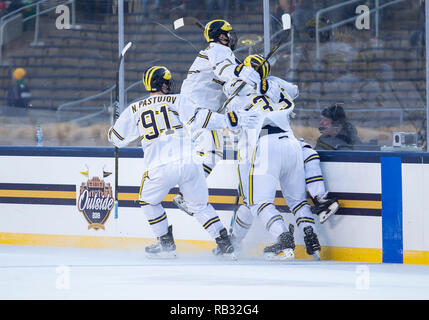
(73, 64)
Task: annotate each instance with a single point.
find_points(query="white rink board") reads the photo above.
(51, 219)
(44, 176)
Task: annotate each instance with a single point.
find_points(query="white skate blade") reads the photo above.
(286, 254)
(226, 256)
(229, 256)
(178, 201)
(332, 209)
(162, 255)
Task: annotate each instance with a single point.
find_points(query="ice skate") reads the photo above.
(312, 245)
(165, 248)
(325, 207)
(180, 203)
(224, 246)
(283, 249)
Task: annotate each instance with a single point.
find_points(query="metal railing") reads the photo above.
(10, 17)
(71, 106)
(343, 22)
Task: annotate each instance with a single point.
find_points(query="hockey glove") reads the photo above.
(247, 74)
(241, 119)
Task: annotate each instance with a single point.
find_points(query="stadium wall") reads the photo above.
(50, 196)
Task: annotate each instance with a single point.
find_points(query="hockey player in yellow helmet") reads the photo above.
(262, 66)
(212, 67)
(157, 78)
(259, 63)
(306, 173)
(220, 31)
(160, 123)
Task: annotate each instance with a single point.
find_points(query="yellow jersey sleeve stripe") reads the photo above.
(312, 157)
(215, 139)
(117, 134)
(203, 56)
(206, 122)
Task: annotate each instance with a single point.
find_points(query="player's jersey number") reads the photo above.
(150, 124)
(266, 105)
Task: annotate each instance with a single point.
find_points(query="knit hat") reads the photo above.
(19, 73)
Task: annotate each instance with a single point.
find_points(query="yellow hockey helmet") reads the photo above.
(215, 28)
(259, 63)
(155, 77)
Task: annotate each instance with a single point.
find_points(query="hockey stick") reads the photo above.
(286, 21)
(116, 112)
(174, 34)
(234, 212)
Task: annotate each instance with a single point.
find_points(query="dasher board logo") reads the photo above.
(95, 199)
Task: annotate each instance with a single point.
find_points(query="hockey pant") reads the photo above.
(190, 178)
(276, 159)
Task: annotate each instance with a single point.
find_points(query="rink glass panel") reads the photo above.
(378, 77)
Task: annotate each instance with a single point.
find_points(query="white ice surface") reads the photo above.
(33, 273)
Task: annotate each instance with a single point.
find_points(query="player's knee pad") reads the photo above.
(157, 218)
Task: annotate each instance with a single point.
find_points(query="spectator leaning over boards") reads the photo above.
(337, 132)
(19, 94)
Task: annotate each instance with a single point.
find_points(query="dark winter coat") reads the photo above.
(19, 95)
(347, 138)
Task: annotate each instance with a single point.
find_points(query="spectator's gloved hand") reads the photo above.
(247, 74)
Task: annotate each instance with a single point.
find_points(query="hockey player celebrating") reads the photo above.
(268, 155)
(213, 67)
(168, 159)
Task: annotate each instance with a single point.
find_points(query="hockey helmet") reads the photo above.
(259, 63)
(215, 28)
(155, 77)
